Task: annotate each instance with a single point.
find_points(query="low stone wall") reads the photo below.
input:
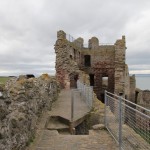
(143, 98)
(21, 103)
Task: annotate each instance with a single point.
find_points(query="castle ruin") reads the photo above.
(104, 65)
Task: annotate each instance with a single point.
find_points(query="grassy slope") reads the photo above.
(3, 80)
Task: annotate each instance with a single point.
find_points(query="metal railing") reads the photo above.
(85, 45)
(86, 93)
(70, 38)
(74, 41)
(127, 122)
(81, 100)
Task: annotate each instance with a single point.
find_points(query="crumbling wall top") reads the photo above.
(93, 43)
(61, 34)
(79, 41)
(121, 42)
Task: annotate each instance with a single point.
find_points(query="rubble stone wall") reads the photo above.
(66, 61)
(143, 98)
(21, 104)
(146, 98)
(132, 88)
(98, 61)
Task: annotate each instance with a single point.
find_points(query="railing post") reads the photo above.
(72, 105)
(92, 96)
(105, 121)
(72, 112)
(120, 123)
(87, 96)
(84, 93)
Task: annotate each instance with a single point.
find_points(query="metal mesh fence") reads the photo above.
(127, 122)
(70, 38)
(74, 41)
(81, 101)
(86, 93)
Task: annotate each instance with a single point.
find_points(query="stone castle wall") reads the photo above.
(22, 102)
(132, 88)
(143, 98)
(97, 61)
(66, 67)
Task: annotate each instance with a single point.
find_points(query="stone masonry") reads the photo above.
(21, 104)
(66, 69)
(104, 64)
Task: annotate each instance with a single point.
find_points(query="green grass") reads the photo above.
(3, 80)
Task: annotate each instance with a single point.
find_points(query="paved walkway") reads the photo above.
(52, 140)
(62, 106)
(96, 140)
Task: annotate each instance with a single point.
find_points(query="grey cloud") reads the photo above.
(140, 67)
(28, 30)
(36, 69)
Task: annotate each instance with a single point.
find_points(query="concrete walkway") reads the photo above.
(62, 106)
(52, 140)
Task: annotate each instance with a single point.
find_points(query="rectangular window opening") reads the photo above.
(87, 60)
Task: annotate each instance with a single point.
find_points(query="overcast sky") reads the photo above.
(28, 31)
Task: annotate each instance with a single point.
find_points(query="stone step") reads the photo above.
(57, 123)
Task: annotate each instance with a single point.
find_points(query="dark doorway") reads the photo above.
(87, 60)
(102, 98)
(73, 81)
(91, 79)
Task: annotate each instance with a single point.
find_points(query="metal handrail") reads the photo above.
(87, 93)
(128, 125)
(128, 101)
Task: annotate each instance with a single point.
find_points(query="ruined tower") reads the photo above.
(104, 64)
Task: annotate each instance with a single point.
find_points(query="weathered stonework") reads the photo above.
(21, 103)
(143, 98)
(96, 61)
(66, 68)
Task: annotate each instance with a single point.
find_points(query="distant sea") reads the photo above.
(143, 81)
